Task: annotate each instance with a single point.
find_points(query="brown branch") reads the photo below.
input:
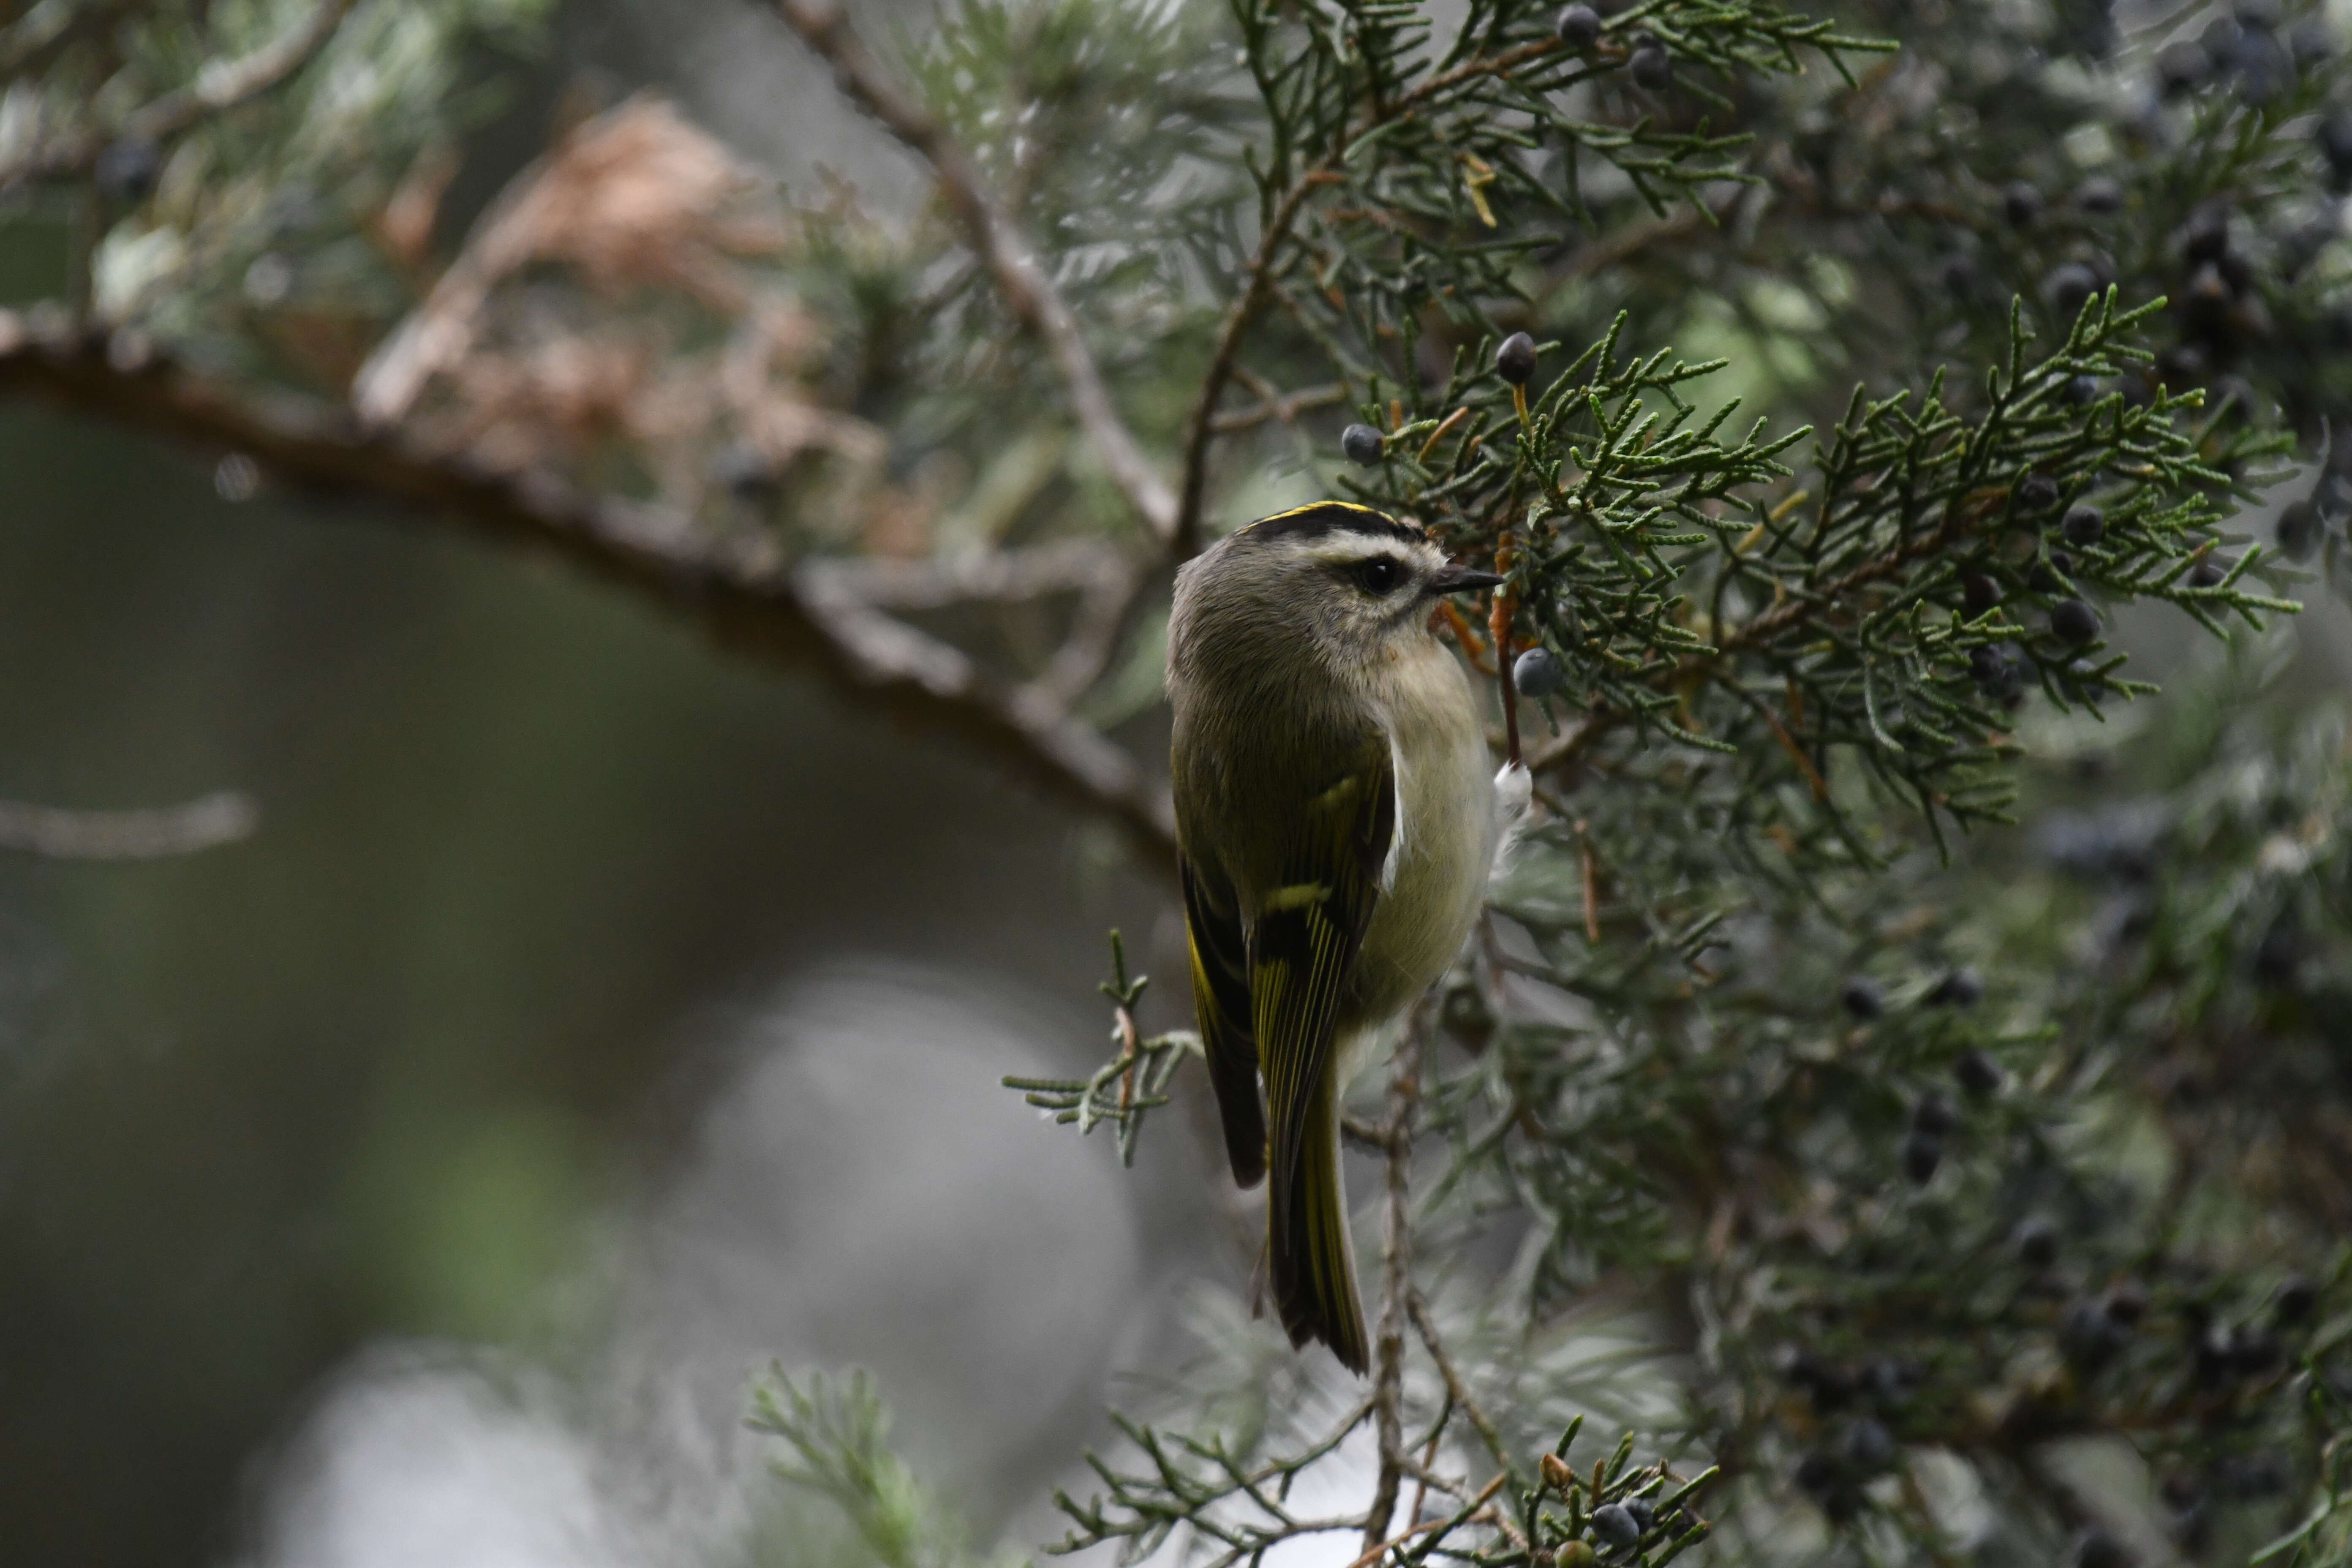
(1375, 1553)
(1632, 239)
(1963, 514)
(147, 834)
(1185, 535)
(1813, 779)
(979, 576)
(1105, 612)
(1012, 261)
(1589, 869)
(1502, 63)
(740, 594)
(1287, 407)
(1202, 425)
(220, 85)
(1456, 1389)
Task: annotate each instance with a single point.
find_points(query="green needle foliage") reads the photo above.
(1846, 1152)
(1849, 620)
(1133, 1083)
(837, 1436)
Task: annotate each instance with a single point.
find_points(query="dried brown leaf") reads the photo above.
(634, 198)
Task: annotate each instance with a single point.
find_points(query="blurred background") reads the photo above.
(591, 1019)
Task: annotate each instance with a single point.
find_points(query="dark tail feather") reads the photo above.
(1313, 1258)
(1232, 1073)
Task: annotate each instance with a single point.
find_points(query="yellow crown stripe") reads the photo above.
(1356, 507)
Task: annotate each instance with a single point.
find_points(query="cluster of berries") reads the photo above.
(1859, 1408)
(1616, 1527)
(1859, 1446)
(1646, 59)
(2086, 269)
(2308, 521)
(1934, 1115)
(2244, 52)
(1999, 669)
(1515, 362)
(2216, 303)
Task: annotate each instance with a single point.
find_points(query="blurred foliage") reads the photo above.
(837, 1433)
(277, 241)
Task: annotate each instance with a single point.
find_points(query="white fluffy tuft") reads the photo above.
(1514, 789)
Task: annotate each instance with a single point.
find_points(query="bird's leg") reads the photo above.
(1505, 611)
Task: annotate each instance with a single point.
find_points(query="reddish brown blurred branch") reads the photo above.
(1012, 261)
(739, 590)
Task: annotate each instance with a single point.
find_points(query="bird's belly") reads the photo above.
(1445, 806)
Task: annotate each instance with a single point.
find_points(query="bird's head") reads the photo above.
(1352, 582)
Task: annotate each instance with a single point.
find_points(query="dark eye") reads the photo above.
(1380, 575)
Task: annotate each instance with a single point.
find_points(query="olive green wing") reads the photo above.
(1301, 951)
(1220, 999)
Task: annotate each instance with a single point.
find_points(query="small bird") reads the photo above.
(1336, 829)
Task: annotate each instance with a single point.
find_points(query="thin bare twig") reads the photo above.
(1589, 874)
(1629, 242)
(147, 834)
(740, 595)
(1258, 279)
(1095, 636)
(1456, 1389)
(1820, 786)
(1425, 1526)
(220, 85)
(1284, 406)
(1012, 261)
(1185, 531)
(1574, 744)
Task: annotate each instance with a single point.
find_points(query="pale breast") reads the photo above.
(1446, 827)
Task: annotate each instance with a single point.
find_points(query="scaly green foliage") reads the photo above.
(837, 1433)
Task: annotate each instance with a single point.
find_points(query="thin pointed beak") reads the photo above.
(1462, 580)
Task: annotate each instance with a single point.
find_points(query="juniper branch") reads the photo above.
(1011, 258)
(740, 595)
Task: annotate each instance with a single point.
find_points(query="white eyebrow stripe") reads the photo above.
(1346, 550)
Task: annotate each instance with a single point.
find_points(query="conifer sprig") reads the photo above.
(1133, 1082)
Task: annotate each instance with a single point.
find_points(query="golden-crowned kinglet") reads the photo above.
(1337, 827)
